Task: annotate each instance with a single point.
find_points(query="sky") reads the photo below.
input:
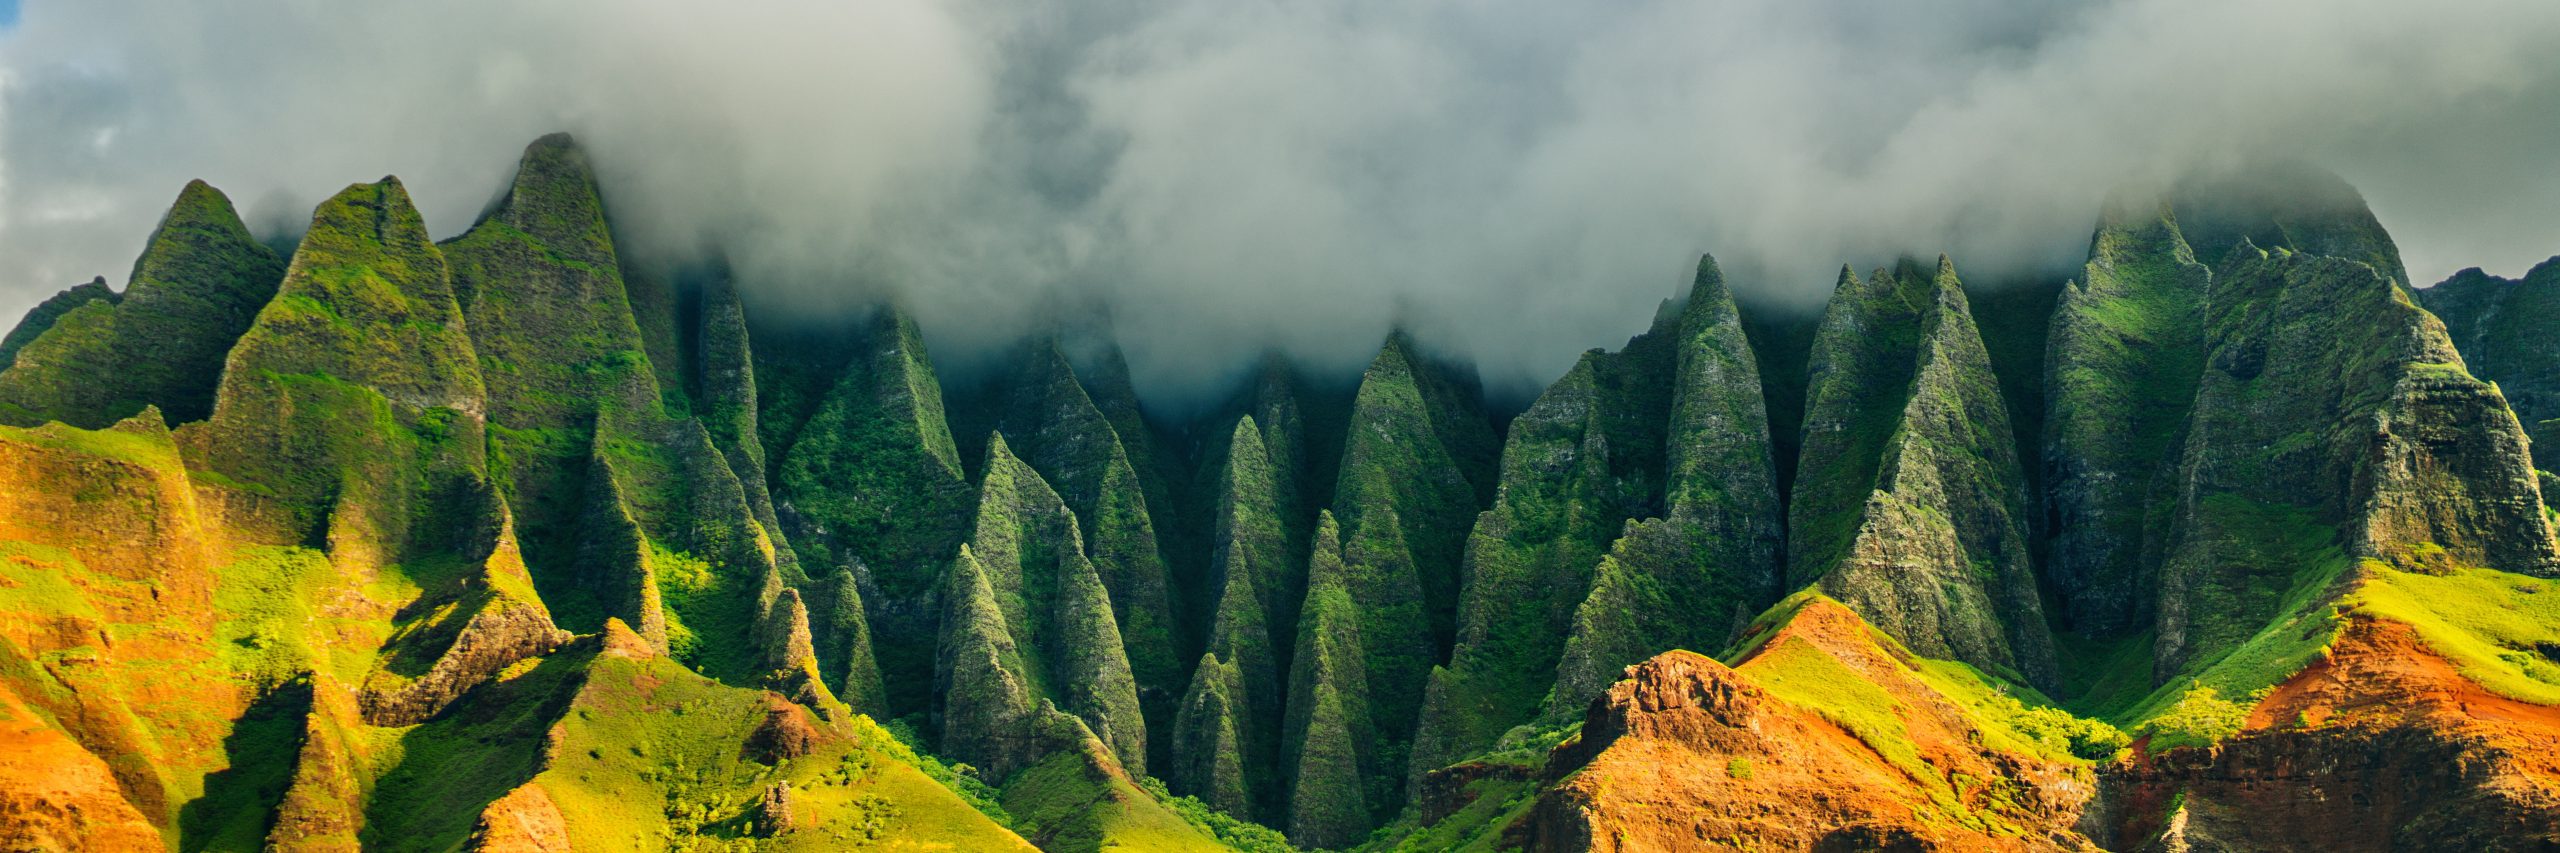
(1515, 180)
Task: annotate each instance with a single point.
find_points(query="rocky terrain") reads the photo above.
(2235, 541)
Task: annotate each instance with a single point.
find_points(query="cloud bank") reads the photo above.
(1516, 180)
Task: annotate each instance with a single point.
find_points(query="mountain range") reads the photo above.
(2234, 541)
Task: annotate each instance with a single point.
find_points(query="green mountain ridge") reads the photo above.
(502, 543)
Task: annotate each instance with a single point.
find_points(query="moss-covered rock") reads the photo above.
(1041, 630)
(1909, 504)
(870, 483)
(1404, 500)
(352, 412)
(1338, 782)
(1078, 799)
(2504, 329)
(1671, 429)
(1585, 457)
(1714, 550)
(725, 401)
(2123, 357)
(2332, 409)
(1235, 696)
(1064, 435)
(200, 281)
(46, 313)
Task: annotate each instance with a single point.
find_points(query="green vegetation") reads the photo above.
(1919, 484)
(1801, 673)
(651, 756)
(200, 281)
(2502, 327)
(46, 313)
(2124, 360)
(867, 466)
(1404, 499)
(1330, 742)
(1050, 418)
(2498, 627)
(1241, 835)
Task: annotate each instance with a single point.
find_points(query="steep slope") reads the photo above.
(1048, 414)
(636, 513)
(200, 281)
(2504, 329)
(1027, 625)
(541, 287)
(2415, 720)
(2333, 411)
(1079, 799)
(1670, 430)
(870, 485)
(1226, 731)
(2283, 205)
(1827, 735)
(42, 317)
(1908, 504)
(1404, 499)
(2123, 358)
(1340, 781)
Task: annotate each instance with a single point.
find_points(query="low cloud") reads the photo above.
(1518, 181)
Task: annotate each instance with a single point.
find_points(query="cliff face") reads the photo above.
(1910, 506)
(2331, 401)
(2125, 352)
(510, 543)
(2503, 328)
(1027, 625)
(1565, 586)
(2399, 736)
(870, 484)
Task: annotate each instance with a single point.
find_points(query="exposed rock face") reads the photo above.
(54, 795)
(2123, 358)
(1027, 622)
(523, 821)
(495, 621)
(787, 733)
(1909, 504)
(2330, 401)
(1687, 754)
(2503, 328)
(2382, 745)
(199, 283)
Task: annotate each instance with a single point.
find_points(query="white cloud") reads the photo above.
(1520, 180)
